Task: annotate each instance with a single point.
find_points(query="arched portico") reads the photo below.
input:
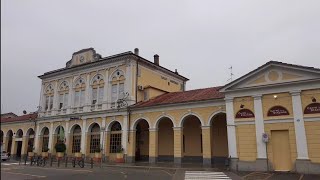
(219, 139)
(142, 140)
(9, 141)
(18, 143)
(165, 139)
(192, 148)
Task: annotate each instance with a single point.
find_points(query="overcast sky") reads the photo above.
(201, 39)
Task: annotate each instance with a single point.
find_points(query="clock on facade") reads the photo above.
(81, 59)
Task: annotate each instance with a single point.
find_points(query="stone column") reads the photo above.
(67, 137)
(50, 143)
(131, 147)
(231, 131)
(106, 92)
(87, 104)
(153, 145)
(303, 164)
(206, 145)
(70, 98)
(55, 99)
(13, 147)
(83, 136)
(24, 146)
(107, 145)
(125, 134)
(103, 137)
(41, 102)
(178, 149)
(261, 162)
(37, 139)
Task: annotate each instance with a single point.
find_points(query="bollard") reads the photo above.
(51, 159)
(101, 163)
(91, 163)
(66, 162)
(58, 162)
(31, 159)
(25, 160)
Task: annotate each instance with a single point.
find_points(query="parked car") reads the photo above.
(4, 156)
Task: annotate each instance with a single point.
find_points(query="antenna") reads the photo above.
(231, 74)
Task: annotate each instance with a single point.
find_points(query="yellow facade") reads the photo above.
(246, 142)
(247, 103)
(313, 139)
(282, 99)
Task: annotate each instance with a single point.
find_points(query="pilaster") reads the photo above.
(83, 136)
(177, 134)
(259, 124)
(231, 129)
(300, 132)
(105, 89)
(50, 144)
(206, 145)
(153, 145)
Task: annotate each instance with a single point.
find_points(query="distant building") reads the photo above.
(268, 119)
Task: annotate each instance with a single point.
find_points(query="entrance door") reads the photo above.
(281, 150)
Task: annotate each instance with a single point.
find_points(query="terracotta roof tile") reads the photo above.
(181, 97)
(20, 118)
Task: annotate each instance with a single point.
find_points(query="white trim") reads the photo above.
(42, 130)
(311, 119)
(244, 123)
(164, 116)
(108, 126)
(299, 127)
(231, 129)
(190, 113)
(56, 128)
(272, 121)
(72, 127)
(214, 114)
(95, 122)
(259, 127)
(135, 122)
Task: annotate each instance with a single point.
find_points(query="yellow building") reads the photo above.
(268, 119)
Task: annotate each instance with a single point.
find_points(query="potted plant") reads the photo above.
(60, 149)
(30, 151)
(97, 152)
(119, 154)
(78, 154)
(45, 152)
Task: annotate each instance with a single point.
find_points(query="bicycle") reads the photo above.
(40, 161)
(79, 161)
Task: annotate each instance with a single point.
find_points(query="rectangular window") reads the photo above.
(76, 142)
(101, 89)
(47, 103)
(76, 99)
(94, 142)
(94, 95)
(115, 142)
(51, 102)
(45, 142)
(121, 90)
(114, 93)
(82, 98)
(65, 103)
(60, 101)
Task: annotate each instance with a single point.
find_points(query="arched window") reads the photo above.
(94, 138)
(115, 137)
(30, 134)
(63, 95)
(45, 139)
(76, 141)
(79, 96)
(49, 95)
(97, 89)
(9, 136)
(117, 86)
(60, 134)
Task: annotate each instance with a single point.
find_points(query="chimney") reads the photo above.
(176, 71)
(156, 59)
(136, 51)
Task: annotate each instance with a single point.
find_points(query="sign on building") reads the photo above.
(278, 111)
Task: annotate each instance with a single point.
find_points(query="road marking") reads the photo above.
(26, 174)
(167, 173)
(205, 175)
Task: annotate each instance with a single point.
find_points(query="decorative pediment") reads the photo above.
(82, 57)
(273, 73)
